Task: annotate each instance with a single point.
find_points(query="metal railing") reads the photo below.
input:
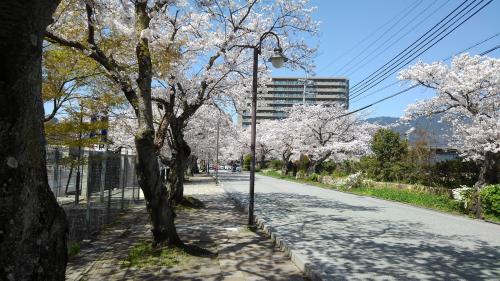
(106, 183)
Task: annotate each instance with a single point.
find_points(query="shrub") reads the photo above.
(313, 177)
(327, 167)
(301, 175)
(303, 164)
(490, 199)
(339, 174)
(246, 162)
(276, 164)
(454, 172)
(464, 195)
(354, 181)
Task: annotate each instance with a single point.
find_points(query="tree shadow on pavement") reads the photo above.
(346, 241)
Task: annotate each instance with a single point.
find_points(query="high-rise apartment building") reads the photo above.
(284, 92)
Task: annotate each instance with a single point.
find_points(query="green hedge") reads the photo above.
(490, 199)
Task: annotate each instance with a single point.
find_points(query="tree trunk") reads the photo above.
(69, 179)
(285, 165)
(315, 165)
(192, 165)
(284, 168)
(312, 167)
(159, 200)
(262, 161)
(32, 225)
(488, 174)
(180, 153)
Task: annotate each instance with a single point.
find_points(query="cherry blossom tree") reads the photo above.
(468, 97)
(224, 30)
(279, 137)
(121, 130)
(263, 147)
(201, 132)
(327, 132)
(237, 145)
(180, 55)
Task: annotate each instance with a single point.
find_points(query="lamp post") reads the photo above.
(277, 61)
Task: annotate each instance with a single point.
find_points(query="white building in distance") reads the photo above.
(284, 92)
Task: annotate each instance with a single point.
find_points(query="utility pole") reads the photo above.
(217, 152)
(124, 176)
(304, 91)
(77, 184)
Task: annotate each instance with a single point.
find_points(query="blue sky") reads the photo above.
(350, 27)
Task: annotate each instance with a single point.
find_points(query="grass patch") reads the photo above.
(421, 199)
(252, 228)
(278, 175)
(73, 248)
(144, 255)
(411, 197)
(189, 203)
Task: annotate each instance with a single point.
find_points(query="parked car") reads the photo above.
(236, 168)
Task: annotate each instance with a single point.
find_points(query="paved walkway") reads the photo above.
(220, 227)
(351, 237)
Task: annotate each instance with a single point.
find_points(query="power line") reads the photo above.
(379, 101)
(410, 47)
(473, 46)
(394, 69)
(369, 36)
(380, 37)
(358, 98)
(404, 90)
(490, 50)
(360, 65)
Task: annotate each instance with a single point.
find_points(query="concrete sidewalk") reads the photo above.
(220, 227)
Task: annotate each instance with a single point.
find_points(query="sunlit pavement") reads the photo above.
(355, 237)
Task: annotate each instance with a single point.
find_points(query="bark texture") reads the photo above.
(315, 165)
(489, 173)
(32, 225)
(180, 153)
(192, 165)
(286, 165)
(159, 199)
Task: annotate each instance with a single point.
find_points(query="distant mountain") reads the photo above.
(430, 128)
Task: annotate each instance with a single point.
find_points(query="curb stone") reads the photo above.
(309, 269)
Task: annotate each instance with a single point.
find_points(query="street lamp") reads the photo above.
(277, 61)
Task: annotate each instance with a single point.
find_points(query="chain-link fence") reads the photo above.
(106, 183)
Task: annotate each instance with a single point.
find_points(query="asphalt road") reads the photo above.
(351, 237)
